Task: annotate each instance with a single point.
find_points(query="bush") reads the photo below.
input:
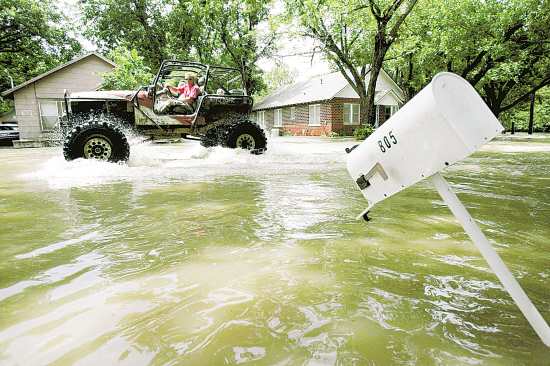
(362, 132)
(130, 73)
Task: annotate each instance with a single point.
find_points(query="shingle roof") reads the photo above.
(316, 89)
(22, 85)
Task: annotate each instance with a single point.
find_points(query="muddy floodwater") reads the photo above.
(209, 256)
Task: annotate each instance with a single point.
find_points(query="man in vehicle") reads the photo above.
(186, 93)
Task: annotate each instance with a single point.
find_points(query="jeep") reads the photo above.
(218, 116)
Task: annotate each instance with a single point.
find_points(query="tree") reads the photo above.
(130, 73)
(34, 38)
(354, 36)
(219, 32)
(135, 24)
(520, 115)
(501, 47)
(231, 35)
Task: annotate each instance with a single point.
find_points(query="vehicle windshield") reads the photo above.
(8, 128)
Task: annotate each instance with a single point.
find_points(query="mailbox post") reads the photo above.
(446, 122)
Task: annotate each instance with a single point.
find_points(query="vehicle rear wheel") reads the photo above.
(96, 140)
(245, 135)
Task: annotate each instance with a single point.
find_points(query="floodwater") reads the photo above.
(196, 256)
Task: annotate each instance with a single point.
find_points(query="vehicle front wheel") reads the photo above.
(96, 140)
(211, 138)
(245, 135)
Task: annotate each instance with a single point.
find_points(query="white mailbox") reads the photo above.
(444, 123)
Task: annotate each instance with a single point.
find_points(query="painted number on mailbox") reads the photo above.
(387, 142)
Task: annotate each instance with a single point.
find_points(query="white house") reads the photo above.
(39, 102)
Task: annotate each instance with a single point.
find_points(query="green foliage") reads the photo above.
(231, 35)
(520, 116)
(138, 24)
(340, 133)
(130, 72)
(362, 132)
(225, 33)
(35, 37)
(500, 47)
(354, 35)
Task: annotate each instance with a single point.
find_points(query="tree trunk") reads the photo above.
(371, 92)
(531, 114)
(381, 46)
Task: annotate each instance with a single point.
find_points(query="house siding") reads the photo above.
(332, 118)
(27, 113)
(300, 125)
(75, 77)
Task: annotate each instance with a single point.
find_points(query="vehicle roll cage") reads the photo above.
(221, 76)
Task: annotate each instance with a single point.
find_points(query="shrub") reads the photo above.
(362, 132)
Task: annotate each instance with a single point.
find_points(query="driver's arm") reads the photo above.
(172, 89)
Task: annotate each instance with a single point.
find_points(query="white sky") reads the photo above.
(304, 64)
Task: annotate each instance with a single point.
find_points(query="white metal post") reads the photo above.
(493, 259)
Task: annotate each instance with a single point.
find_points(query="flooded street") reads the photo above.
(196, 256)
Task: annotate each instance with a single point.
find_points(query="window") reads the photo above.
(292, 112)
(315, 115)
(351, 113)
(260, 117)
(390, 111)
(278, 118)
(50, 113)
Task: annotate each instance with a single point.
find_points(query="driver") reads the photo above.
(186, 93)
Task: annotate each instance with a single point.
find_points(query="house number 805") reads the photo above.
(387, 142)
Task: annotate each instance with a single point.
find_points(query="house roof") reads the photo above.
(316, 89)
(320, 88)
(54, 70)
(381, 94)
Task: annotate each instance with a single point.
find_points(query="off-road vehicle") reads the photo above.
(220, 114)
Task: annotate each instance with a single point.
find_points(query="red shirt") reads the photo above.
(189, 92)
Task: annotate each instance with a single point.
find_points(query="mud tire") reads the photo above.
(246, 135)
(96, 140)
(211, 138)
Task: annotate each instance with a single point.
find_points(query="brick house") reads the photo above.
(39, 102)
(324, 104)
